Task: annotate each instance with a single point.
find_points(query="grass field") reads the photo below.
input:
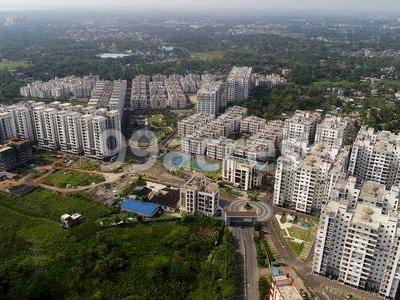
(300, 233)
(72, 179)
(13, 65)
(208, 55)
(297, 247)
(86, 164)
(44, 204)
(41, 260)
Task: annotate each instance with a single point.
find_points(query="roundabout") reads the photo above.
(264, 211)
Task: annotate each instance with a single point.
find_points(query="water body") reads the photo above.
(112, 55)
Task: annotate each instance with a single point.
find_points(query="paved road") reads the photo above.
(264, 210)
(247, 262)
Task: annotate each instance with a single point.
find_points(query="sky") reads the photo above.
(281, 5)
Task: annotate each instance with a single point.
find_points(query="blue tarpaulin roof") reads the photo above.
(145, 209)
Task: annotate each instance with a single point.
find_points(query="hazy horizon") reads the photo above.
(341, 6)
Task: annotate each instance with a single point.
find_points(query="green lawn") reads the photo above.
(301, 234)
(165, 260)
(44, 204)
(13, 65)
(73, 179)
(208, 55)
(297, 247)
(86, 164)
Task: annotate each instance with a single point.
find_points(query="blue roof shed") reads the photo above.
(141, 208)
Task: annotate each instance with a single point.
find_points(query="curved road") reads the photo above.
(264, 210)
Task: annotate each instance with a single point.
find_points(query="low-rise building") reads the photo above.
(283, 287)
(252, 124)
(199, 196)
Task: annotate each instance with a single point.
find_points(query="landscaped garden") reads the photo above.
(301, 233)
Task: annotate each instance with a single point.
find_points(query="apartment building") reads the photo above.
(369, 192)
(300, 129)
(23, 117)
(262, 147)
(194, 143)
(238, 84)
(140, 95)
(158, 92)
(252, 124)
(108, 94)
(209, 98)
(95, 133)
(101, 134)
(66, 87)
(304, 183)
(219, 148)
(118, 96)
(7, 126)
(190, 83)
(70, 131)
(375, 156)
(332, 131)
(14, 154)
(243, 173)
(193, 123)
(359, 247)
(199, 196)
(176, 96)
(45, 121)
(225, 125)
(268, 81)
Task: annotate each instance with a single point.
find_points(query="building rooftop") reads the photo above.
(371, 189)
(140, 208)
(201, 183)
(368, 215)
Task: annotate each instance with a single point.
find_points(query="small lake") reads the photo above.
(112, 55)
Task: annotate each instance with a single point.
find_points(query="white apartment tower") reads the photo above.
(69, 131)
(24, 124)
(300, 129)
(46, 127)
(199, 196)
(101, 134)
(305, 183)
(209, 98)
(332, 131)
(7, 126)
(376, 157)
(238, 84)
(359, 247)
